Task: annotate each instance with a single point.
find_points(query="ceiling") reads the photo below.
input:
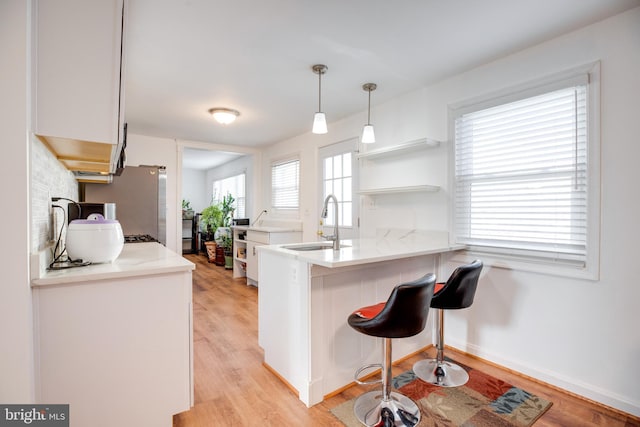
(184, 57)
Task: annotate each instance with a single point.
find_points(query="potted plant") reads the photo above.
(210, 220)
(227, 245)
(227, 209)
(223, 235)
(187, 212)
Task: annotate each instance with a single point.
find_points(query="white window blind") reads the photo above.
(285, 185)
(521, 175)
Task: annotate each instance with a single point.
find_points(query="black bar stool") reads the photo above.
(403, 315)
(457, 293)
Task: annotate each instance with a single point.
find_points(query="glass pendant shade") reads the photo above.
(368, 137)
(319, 119)
(319, 123)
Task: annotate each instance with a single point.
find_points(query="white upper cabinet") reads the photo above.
(79, 81)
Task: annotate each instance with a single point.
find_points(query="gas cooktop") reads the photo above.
(139, 238)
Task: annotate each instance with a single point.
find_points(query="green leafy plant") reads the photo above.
(211, 217)
(226, 242)
(227, 209)
(186, 204)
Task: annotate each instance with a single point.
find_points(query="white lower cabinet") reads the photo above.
(118, 351)
(257, 238)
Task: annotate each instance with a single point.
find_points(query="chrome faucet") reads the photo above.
(336, 234)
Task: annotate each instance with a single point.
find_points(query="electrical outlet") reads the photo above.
(52, 220)
(370, 203)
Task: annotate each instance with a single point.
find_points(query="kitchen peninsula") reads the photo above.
(114, 340)
(306, 295)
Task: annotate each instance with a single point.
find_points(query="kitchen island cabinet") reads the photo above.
(114, 341)
(305, 298)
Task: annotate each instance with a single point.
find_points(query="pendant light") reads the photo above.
(319, 119)
(368, 137)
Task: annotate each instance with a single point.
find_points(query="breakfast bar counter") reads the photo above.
(306, 294)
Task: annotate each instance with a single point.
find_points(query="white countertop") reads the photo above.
(364, 251)
(266, 229)
(136, 259)
(273, 226)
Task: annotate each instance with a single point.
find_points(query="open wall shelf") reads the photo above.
(406, 148)
(406, 189)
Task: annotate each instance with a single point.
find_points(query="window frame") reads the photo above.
(527, 260)
(285, 211)
(236, 213)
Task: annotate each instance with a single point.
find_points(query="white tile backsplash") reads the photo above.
(49, 178)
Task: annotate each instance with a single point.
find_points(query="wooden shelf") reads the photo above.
(406, 148)
(407, 189)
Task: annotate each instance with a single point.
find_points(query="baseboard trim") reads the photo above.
(555, 381)
(281, 378)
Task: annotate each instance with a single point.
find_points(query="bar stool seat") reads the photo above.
(457, 293)
(403, 315)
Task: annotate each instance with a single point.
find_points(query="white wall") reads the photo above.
(577, 334)
(194, 188)
(400, 120)
(16, 323)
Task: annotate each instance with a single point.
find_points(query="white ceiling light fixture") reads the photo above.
(319, 119)
(368, 137)
(224, 116)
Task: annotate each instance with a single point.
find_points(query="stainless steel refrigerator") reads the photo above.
(140, 195)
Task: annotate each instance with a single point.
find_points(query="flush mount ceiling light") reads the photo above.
(319, 119)
(368, 137)
(224, 116)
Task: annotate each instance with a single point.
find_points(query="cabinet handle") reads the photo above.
(254, 251)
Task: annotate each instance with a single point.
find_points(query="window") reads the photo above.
(337, 179)
(285, 185)
(522, 184)
(234, 185)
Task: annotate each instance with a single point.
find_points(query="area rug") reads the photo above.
(484, 401)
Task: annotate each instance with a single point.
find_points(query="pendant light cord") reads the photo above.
(319, 92)
(369, 109)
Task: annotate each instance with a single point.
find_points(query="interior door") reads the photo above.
(339, 176)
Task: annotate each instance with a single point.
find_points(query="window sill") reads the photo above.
(531, 264)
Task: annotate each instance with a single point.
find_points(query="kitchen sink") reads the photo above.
(312, 246)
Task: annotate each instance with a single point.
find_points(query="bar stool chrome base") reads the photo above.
(443, 374)
(370, 406)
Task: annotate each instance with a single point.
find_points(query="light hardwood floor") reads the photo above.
(233, 388)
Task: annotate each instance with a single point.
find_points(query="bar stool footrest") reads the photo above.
(356, 376)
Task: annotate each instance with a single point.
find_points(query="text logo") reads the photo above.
(34, 415)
